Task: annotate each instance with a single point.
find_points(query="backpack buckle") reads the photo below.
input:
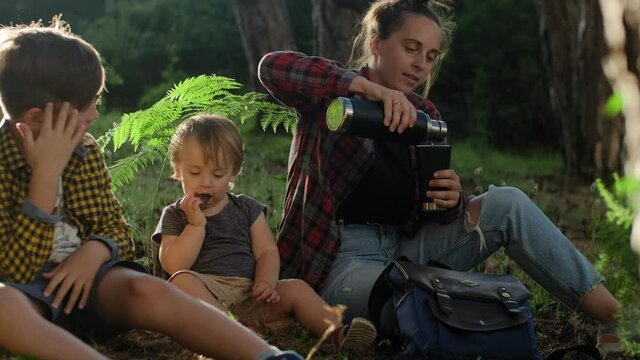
(444, 300)
(512, 306)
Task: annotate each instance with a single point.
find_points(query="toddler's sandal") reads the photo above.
(358, 335)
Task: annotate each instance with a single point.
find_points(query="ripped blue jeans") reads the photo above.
(508, 219)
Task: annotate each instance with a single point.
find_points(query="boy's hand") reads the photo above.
(263, 291)
(76, 274)
(51, 149)
(190, 204)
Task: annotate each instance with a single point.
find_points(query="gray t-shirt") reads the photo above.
(226, 249)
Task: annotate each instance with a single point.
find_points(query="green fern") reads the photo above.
(618, 211)
(125, 169)
(150, 130)
(614, 258)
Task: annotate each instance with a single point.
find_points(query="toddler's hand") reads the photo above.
(263, 291)
(190, 204)
(51, 149)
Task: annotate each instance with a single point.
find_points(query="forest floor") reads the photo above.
(569, 205)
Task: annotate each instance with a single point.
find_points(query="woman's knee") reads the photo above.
(508, 193)
(506, 198)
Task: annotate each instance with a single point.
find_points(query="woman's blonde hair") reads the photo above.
(384, 17)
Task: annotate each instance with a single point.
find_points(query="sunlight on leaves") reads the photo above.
(149, 131)
(613, 107)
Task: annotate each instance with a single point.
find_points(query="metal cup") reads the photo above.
(431, 158)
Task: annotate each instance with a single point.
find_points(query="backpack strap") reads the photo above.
(381, 292)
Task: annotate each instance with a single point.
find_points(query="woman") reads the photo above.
(351, 203)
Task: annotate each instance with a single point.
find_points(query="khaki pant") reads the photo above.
(234, 294)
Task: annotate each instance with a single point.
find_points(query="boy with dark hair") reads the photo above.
(66, 250)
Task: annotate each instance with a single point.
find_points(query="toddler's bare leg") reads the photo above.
(297, 298)
(23, 324)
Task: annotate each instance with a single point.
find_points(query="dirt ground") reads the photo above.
(568, 204)
(558, 330)
(552, 335)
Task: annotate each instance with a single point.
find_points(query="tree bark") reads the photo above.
(334, 23)
(264, 26)
(573, 49)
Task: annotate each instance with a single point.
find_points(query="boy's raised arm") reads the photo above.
(26, 235)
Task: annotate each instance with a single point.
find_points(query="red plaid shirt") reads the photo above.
(324, 166)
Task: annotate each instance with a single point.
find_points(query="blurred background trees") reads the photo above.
(521, 75)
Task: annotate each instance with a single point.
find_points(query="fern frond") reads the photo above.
(125, 169)
(618, 212)
(150, 130)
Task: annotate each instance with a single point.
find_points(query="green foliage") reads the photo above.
(150, 130)
(78, 13)
(301, 24)
(613, 107)
(480, 165)
(146, 40)
(489, 88)
(615, 260)
(619, 213)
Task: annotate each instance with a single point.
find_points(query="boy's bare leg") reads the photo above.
(297, 298)
(23, 324)
(129, 298)
(195, 287)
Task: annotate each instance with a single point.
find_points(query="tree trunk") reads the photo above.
(264, 26)
(573, 49)
(334, 23)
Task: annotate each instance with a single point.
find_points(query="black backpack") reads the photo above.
(434, 313)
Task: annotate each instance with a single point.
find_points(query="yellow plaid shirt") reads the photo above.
(26, 237)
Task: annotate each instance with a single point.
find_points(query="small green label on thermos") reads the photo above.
(335, 115)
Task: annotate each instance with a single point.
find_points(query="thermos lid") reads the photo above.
(338, 112)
